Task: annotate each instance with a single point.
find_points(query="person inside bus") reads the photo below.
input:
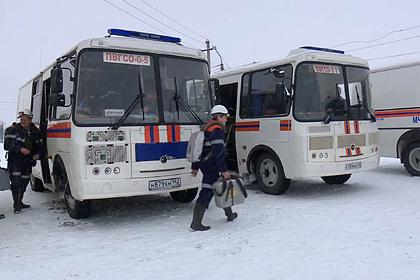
(150, 106)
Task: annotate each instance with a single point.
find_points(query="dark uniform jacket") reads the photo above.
(15, 138)
(213, 158)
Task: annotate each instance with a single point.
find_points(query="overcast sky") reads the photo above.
(34, 33)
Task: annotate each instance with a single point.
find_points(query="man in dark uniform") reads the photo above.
(24, 147)
(212, 163)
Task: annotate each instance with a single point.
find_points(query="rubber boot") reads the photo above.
(229, 214)
(21, 202)
(17, 206)
(198, 214)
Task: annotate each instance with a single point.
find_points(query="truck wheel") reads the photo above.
(36, 184)
(270, 175)
(184, 196)
(412, 159)
(76, 209)
(338, 179)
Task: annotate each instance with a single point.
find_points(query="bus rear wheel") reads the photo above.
(337, 179)
(270, 175)
(412, 159)
(184, 196)
(76, 209)
(36, 184)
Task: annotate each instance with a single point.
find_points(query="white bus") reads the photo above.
(116, 114)
(396, 99)
(306, 115)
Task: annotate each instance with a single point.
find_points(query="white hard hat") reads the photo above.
(219, 109)
(26, 112)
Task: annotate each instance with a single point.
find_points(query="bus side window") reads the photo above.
(61, 113)
(264, 94)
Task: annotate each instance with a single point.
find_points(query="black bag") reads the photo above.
(230, 192)
(4, 179)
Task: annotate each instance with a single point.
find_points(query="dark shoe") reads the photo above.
(2, 216)
(229, 214)
(198, 214)
(17, 204)
(25, 205)
(21, 202)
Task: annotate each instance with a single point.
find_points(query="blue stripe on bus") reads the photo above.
(154, 151)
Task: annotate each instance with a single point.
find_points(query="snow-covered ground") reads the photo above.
(368, 228)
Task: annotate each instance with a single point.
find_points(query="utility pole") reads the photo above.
(208, 54)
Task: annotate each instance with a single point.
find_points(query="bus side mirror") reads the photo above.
(56, 80)
(214, 91)
(281, 92)
(57, 99)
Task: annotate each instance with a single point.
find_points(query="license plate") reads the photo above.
(353, 165)
(165, 184)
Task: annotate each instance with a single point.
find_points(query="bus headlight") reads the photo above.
(320, 142)
(105, 154)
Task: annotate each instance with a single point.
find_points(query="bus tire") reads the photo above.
(412, 159)
(36, 184)
(337, 179)
(270, 174)
(184, 196)
(76, 209)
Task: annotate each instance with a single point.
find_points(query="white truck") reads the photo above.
(396, 100)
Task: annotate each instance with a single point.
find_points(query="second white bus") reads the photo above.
(306, 115)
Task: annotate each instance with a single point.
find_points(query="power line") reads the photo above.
(8, 102)
(171, 19)
(161, 22)
(142, 21)
(385, 43)
(390, 56)
(133, 16)
(377, 39)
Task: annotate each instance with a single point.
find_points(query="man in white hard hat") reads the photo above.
(211, 164)
(23, 144)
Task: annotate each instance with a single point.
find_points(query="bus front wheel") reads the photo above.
(76, 209)
(184, 196)
(270, 175)
(36, 184)
(337, 179)
(412, 159)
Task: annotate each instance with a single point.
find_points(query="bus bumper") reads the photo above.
(86, 189)
(312, 169)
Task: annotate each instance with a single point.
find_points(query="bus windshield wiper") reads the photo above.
(181, 103)
(361, 104)
(335, 108)
(139, 98)
(331, 112)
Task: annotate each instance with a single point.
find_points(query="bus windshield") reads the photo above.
(324, 92)
(184, 89)
(109, 83)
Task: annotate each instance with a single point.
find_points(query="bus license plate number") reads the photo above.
(166, 184)
(353, 165)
